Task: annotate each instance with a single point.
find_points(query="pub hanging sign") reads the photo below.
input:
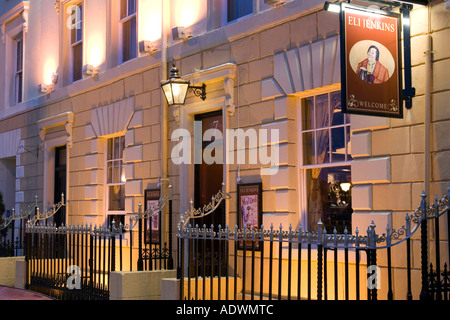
(371, 66)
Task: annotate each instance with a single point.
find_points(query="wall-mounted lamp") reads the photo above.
(54, 78)
(332, 6)
(175, 89)
(89, 70)
(146, 46)
(179, 33)
(45, 88)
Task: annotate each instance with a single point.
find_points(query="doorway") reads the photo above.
(208, 180)
(60, 183)
(209, 177)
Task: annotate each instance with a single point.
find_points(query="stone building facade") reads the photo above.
(110, 135)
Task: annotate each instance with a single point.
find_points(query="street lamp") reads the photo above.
(175, 89)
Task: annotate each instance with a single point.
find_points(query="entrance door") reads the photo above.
(60, 183)
(208, 181)
(209, 177)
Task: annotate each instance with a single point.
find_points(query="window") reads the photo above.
(76, 42)
(325, 134)
(129, 29)
(236, 9)
(18, 69)
(115, 179)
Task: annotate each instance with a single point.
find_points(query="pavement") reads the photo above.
(8, 293)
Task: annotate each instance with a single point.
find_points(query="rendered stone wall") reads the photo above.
(8, 271)
(389, 168)
(139, 285)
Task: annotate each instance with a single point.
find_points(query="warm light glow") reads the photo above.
(187, 13)
(345, 186)
(150, 13)
(50, 67)
(94, 33)
(95, 50)
(332, 7)
(405, 21)
(176, 90)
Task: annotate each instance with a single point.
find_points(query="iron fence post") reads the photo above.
(437, 248)
(181, 267)
(170, 259)
(424, 293)
(113, 246)
(319, 261)
(27, 259)
(140, 262)
(408, 256)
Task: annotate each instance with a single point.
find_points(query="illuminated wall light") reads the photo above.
(55, 78)
(89, 70)
(146, 46)
(332, 7)
(45, 88)
(179, 33)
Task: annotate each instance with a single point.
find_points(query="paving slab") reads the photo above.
(8, 293)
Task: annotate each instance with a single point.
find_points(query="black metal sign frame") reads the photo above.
(358, 100)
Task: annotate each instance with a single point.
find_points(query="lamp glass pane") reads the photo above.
(168, 93)
(179, 91)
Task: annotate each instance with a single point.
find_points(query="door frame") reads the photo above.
(187, 171)
(49, 173)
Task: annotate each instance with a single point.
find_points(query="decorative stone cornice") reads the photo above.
(308, 67)
(64, 119)
(21, 9)
(228, 85)
(226, 73)
(57, 2)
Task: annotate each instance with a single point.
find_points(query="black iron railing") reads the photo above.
(75, 262)
(295, 264)
(72, 262)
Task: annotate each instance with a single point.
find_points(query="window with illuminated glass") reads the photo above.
(76, 41)
(128, 24)
(115, 174)
(326, 157)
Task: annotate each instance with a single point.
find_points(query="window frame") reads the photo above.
(18, 98)
(329, 128)
(304, 168)
(224, 10)
(13, 26)
(74, 45)
(122, 20)
(121, 175)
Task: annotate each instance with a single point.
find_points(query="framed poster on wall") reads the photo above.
(371, 61)
(249, 209)
(152, 225)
